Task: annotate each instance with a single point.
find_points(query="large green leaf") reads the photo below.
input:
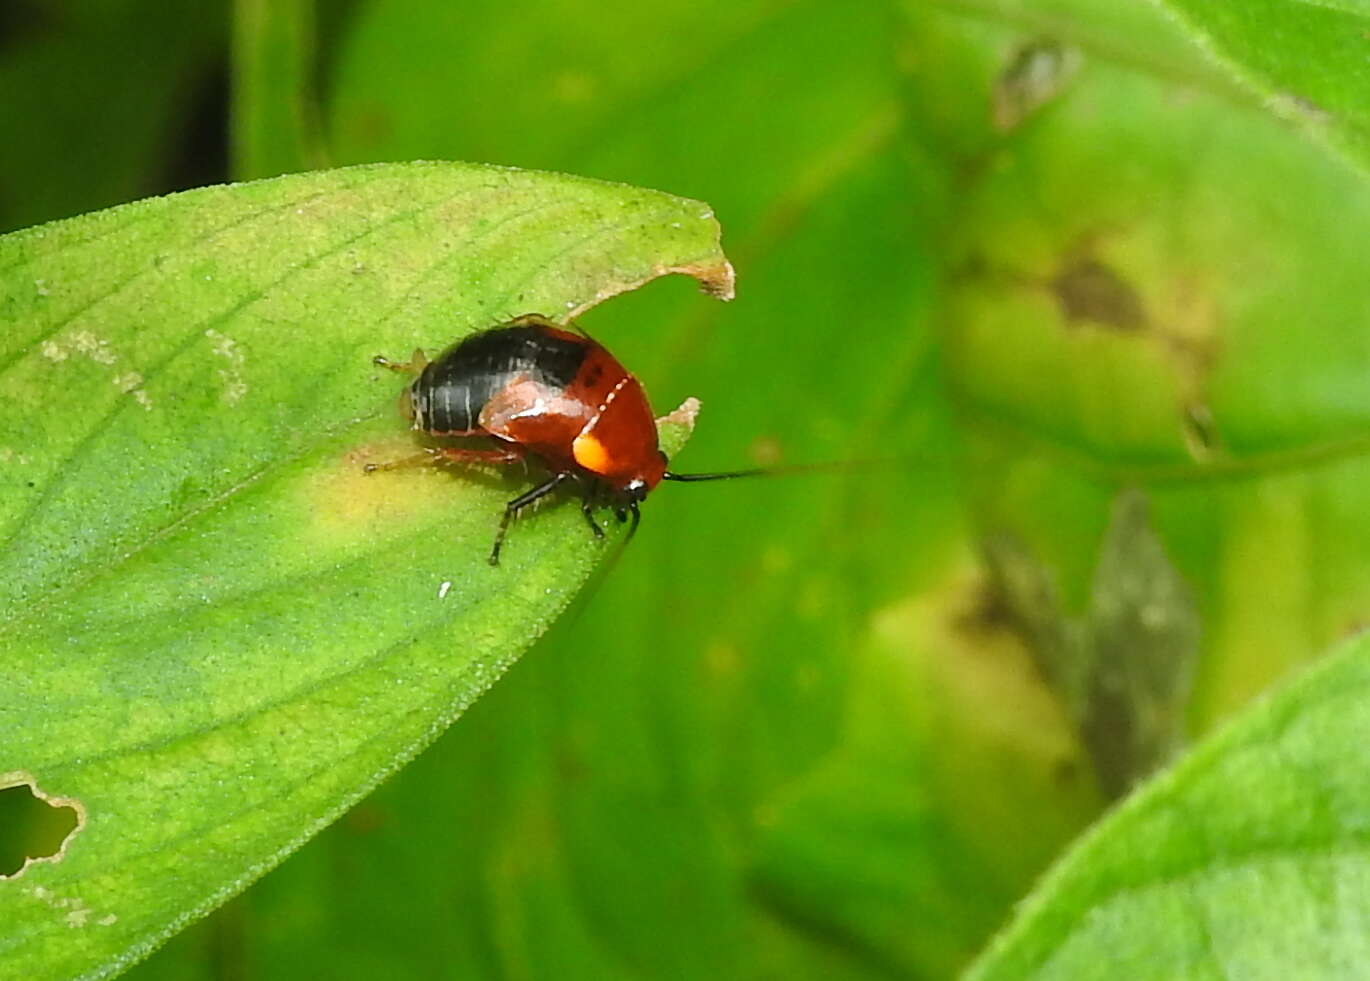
(217, 632)
(1250, 859)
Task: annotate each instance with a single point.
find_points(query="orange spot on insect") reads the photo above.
(590, 453)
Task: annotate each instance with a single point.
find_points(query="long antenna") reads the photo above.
(727, 475)
(778, 471)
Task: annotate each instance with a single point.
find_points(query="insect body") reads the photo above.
(540, 390)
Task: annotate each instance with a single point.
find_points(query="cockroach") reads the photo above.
(541, 391)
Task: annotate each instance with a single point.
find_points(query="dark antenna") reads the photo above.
(778, 471)
(726, 475)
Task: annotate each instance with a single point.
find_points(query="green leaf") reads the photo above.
(218, 632)
(1249, 859)
(1307, 59)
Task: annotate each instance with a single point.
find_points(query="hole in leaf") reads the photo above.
(33, 827)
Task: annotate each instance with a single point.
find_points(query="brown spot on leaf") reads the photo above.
(1088, 291)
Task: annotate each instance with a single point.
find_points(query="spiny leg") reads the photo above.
(520, 502)
(416, 363)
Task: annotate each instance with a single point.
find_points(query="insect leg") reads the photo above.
(426, 458)
(587, 508)
(456, 454)
(531, 320)
(416, 363)
(520, 502)
(432, 456)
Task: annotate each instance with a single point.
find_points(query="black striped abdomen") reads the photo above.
(449, 394)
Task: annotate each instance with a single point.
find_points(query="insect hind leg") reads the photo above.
(435, 455)
(426, 458)
(416, 363)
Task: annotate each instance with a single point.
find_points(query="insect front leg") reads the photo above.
(587, 508)
(518, 504)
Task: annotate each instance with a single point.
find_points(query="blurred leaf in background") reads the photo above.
(106, 101)
(1088, 311)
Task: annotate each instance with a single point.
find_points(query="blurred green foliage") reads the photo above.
(1090, 312)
